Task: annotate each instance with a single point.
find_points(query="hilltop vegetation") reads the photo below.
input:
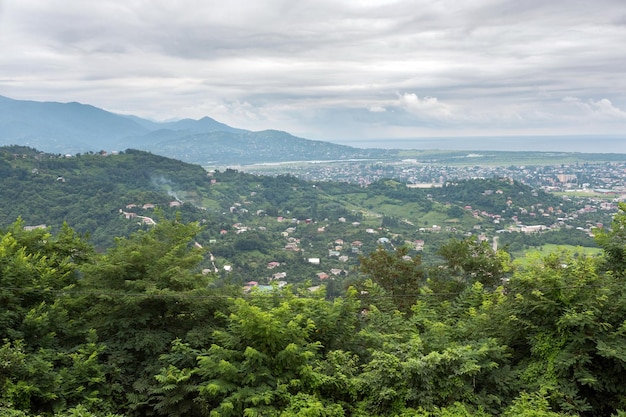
(88, 191)
(139, 330)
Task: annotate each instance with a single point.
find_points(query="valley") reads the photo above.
(251, 221)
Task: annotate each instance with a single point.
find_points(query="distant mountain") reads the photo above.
(245, 147)
(62, 127)
(75, 128)
(206, 124)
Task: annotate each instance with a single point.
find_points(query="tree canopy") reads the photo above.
(139, 330)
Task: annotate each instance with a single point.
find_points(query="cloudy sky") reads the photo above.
(329, 69)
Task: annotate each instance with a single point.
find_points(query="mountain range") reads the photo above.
(70, 128)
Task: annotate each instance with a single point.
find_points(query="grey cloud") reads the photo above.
(320, 67)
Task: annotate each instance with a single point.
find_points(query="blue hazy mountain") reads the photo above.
(205, 124)
(62, 127)
(69, 128)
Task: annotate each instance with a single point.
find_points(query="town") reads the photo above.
(607, 177)
(561, 205)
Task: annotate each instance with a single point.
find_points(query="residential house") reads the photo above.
(279, 275)
(293, 246)
(128, 215)
(146, 220)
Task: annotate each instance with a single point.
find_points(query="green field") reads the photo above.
(585, 194)
(522, 258)
(501, 158)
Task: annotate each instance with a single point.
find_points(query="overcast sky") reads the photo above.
(329, 69)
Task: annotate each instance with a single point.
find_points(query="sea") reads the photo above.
(581, 144)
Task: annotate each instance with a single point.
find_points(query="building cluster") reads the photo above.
(327, 249)
(607, 177)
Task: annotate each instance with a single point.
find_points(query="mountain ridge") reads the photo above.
(70, 128)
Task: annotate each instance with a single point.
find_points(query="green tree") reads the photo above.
(469, 261)
(269, 360)
(398, 273)
(613, 242)
(433, 360)
(140, 296)
(48, 363)
(565, 324)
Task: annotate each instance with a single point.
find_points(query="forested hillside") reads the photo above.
(139, 330)
(87, 191)
(262, 228)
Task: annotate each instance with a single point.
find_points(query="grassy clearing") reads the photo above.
(585, 194)
(522, 258)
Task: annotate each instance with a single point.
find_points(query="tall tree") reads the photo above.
(565, 323)
(144, 293)
(469, 260)
(398, 273)
(613, 243)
